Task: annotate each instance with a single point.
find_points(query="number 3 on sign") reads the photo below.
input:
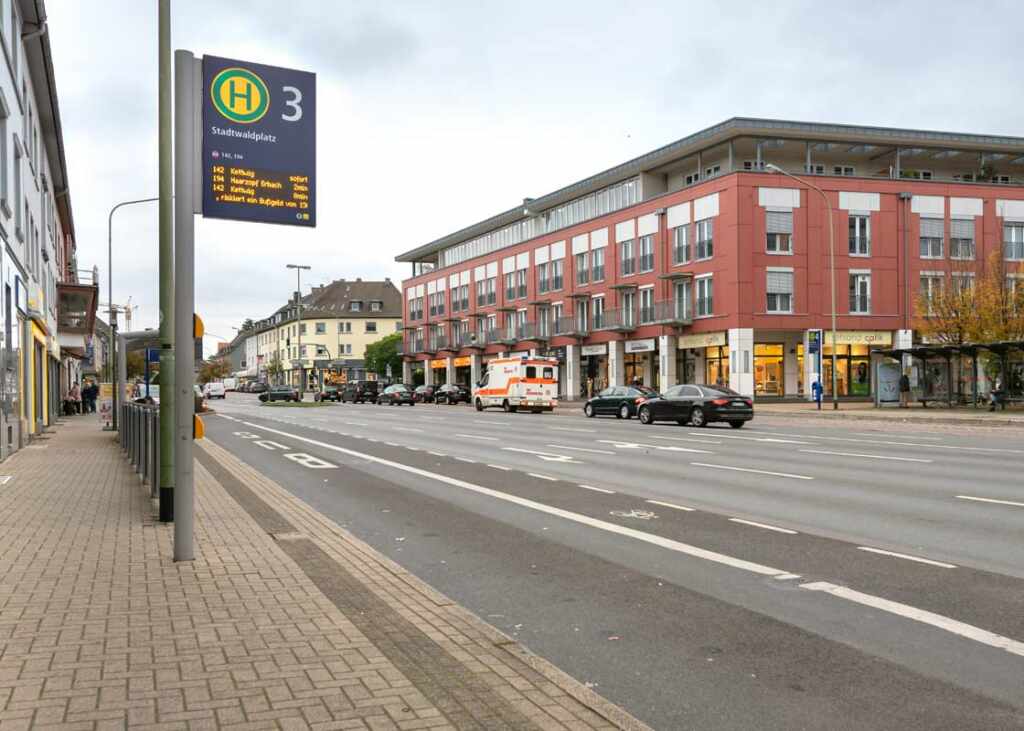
(293, 103)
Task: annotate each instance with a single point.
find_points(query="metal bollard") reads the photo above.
(154, 469)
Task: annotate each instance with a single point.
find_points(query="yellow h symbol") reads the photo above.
(234, 93)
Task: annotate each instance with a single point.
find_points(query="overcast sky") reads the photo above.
(432, 116)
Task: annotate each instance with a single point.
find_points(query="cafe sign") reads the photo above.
(860, 337)
(701, 340)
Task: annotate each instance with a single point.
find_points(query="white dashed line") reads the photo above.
(763, 525)
(499, 467)
(439, 454)
(566, 428)
(860, 455)
(786, 577)
(907, 557)
(477, 436)
(466, 459)
(392, 444)
(670, 505)
(596, 489)
(991, 500)
(407, 428)
(745, 469)
(542, 477)
(581, 449)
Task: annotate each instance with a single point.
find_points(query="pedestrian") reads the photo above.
(995, 396)
(75, 397)
(817, 392)
(904, 391)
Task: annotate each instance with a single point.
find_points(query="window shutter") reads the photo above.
(779, 222)
(961, 229)
(932, 228)
(780, 282)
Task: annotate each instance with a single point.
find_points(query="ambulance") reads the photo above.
(518, 383)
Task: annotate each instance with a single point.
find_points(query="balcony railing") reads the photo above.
(504, 335)
(673, 312)
(571, 326)
(532, 331)
(860, 304)
(420, 346)
(439, 342)
(619, 320)
(471, 339)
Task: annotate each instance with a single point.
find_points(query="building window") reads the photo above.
(646, 306)
(681, 301)
(4, 192)
(543, 284)
(860, 293)
(582, 268)
(647, 253)
(521, 283)
(556, 274)
(376, 306)
(302, 329)
(705, 239)
(510, 286)
(544, 321)
(930, 287)
(961, 239)
(860, 235)
(780, 291)
(597, 265)
(464, 296)
(371, 326)
(346, 327)
(779, 225)
(814, 169)
(932, 235)
(627, 258)
(681, 245)
(355, 306)
(597, 312)
(963, 282)
(844, 170)
(1013, 241)
(582, 314)
(628, 308)
(556, 318)
(321, 328)
(18, 223)
(705, 293)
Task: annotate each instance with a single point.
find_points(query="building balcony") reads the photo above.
(470, 339)
(438, 343)
(571, 327)
(535, 331)
(422, 347)
(672, 312)
(503, 335)
(618, 320)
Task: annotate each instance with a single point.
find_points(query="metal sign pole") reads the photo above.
(185, 93)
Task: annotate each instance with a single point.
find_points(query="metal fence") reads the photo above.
(139, 431)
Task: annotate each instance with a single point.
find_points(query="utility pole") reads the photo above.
(166, 268)
(298, 297)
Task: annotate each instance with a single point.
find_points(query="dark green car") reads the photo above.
(620, 401)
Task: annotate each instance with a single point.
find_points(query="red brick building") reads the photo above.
(703, 261)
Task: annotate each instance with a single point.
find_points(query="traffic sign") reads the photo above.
(259, 142)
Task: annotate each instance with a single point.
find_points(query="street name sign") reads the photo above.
(258, 142)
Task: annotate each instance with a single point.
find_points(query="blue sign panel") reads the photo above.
(259, 142)
(152, 355)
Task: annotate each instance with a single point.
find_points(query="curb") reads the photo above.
(852, 416)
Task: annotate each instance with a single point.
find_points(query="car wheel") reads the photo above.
(506, 406)
(737, 424)
(624, 411)
(646, 417)
(697, 417)
(479, 405)
(588, 411)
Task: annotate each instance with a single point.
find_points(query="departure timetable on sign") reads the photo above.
(267, 189)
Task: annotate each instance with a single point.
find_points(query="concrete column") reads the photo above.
(474, 369)
(616, 363)
(790, 366)
(450, 370)
(428, 373)
(667, 376)
(572, 371)
(741, 360)
(649, 370)
(406, 371)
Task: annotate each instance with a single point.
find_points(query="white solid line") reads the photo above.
(626, 444)
(990, 500)
(596, 489)
(750, 439)
(920, 615)
(566, 428)
(670, 505)
(466, 459)
(581, 449)
(407, 428)
(356, 423)
(499, 467)
(744, 469)
(542, 477)
(393, 444)
(477, 436)
(879, 434)
(439, 454)
(866, 456)
(908, 557)
(495, 423)
(763, 525)
(684, 439)
(621, 530)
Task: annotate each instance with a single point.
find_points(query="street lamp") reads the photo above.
(298, 317)
(832, 269)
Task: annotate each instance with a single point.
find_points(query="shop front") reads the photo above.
(593, 368)
(641, 362)
(853, 361)
(463, 370)
(694, 356)
(439, 371)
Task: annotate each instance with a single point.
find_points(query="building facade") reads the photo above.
(704, 261)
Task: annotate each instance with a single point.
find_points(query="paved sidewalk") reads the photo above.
(914, 414)
(284, 620)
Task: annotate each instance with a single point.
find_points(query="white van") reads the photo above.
(214, 390)
(518, 383)
(230, 384)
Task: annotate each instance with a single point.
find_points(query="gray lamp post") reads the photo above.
(298, 317)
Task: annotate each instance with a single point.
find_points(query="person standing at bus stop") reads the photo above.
(904, 391)
(817, 392)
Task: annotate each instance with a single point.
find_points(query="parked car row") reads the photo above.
(688, 403)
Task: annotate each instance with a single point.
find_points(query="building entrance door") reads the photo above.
(769, 375)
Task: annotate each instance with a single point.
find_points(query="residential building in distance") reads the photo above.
(702, 262)
(338, 321)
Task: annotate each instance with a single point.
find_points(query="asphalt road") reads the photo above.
(779, 576)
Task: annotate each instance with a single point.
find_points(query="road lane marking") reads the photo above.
(907, 556)
(546, 456)
(771, 440)
(913, 444)
(991, 500)
(581, 449)
(566, 428)
(494, 423)
(920, 615)
(786, 577)
(499, 467)
(866, 456)
(439, 454)
(879, 434)
(684, 439)
(412, 449)
(622, 444)
(670, 505)
(542, 477)
(477, 436)
(407, 428)
(763, 525)
(596, 489)
(466, 459)
(393, 444)
(746, 469)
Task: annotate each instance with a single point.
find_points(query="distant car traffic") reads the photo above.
(258, 387)
(280, 393)
(424, 394)
(329, 393)
(396, 395)
(214, 389)
(698, 405)
(452, 393)
(622, 401)
(359, 391)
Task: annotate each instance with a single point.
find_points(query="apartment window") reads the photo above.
(481, 292)
(753, 165)
(860, 235)
(780, 232)
(860, 292)
(464, 296)
(681, 302)
(544, 321)
(521, 283)
(932, 235)
(814, 169)
(681, 244)
(18, 205)
(543, 283)
(492, 290)
(705, 239)
(646, 306)
(348, 348)
(344, 327)
(4, 192)
(844, 170)
(371, 326)
(692, 178)
(961, 238)
(930, 287)
(597, 265)
(597, 312)
(627, 258)
(705, 296)
(647, 253)
(582, 316)
(355, 306)
(510, 286)
(1013, 241)
(628, 308)
(1001, 179)
(321, 328)
(964, 177)
(582, 268)
(963, 282)
(916, 174)
(376, 306)
(556, 274)
(712, 171)
(780, 291)
(302, 329)
(556, 317)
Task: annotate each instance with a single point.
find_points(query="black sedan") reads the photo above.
(424, 394)
(452, 393)
(330, 393)
(396, 394)
(622, 401)
(280, 393)
(698, 405)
